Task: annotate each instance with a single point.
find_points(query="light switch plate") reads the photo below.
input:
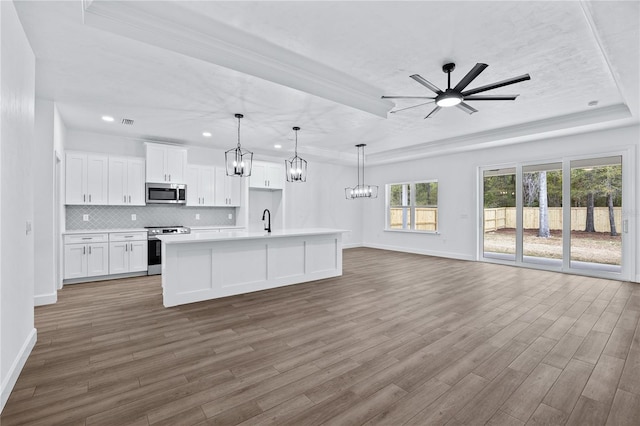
(85, 217)
(230, 216)
(134, 216)
(197, 216)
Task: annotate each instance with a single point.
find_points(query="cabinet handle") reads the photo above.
(129, 199)
(125, 198)
(89, 197)
(169, 177)
(86, 238)
(128, 236)
(89, 249)
(126, 247)
(165, 177)
(84, 198)
(131, 246)
(84, 250)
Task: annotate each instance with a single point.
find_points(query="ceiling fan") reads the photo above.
(457, 96)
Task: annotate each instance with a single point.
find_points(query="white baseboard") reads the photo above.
(16, 368)
(45, 299)
(353, 245)
(445, 254)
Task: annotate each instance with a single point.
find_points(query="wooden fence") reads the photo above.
(426, 218)
(505, 217)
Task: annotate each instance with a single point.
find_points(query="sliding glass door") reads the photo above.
(563, 215)
(596, 214)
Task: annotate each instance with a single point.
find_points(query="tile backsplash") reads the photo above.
(112, 217)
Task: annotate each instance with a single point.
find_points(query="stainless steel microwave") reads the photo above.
(166, 193)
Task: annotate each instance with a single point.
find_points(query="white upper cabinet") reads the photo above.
(200, 186)
(228, 189)
(166, 163)
(86, 178)
(266, 175)
(126, 181)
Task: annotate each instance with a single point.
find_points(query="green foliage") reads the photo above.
(499, 191)
(426, 194)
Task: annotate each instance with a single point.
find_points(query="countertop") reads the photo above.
(107, 231)
(245, 235)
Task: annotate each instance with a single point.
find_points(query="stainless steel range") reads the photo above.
(155, 245)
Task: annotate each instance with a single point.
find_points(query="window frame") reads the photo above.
(411, 207)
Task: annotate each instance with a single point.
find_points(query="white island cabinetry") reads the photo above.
(210, 265)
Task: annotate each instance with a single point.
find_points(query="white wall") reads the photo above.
(45, 282)
(457, 176)
(17, 94)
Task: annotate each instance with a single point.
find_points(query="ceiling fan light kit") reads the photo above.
(296, 167)
(361, 190)
(457, 96)
(238, 161)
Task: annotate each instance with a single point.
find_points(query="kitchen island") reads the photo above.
(203, 266)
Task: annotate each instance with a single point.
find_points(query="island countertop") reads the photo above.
(195, 237)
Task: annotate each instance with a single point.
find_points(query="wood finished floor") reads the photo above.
(398, 339)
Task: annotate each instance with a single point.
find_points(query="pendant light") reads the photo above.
(238, 160)
(361, 190)
(296, 167)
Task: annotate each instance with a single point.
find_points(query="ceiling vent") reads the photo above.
(127, 122)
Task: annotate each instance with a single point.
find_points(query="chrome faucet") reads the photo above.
(267, 227)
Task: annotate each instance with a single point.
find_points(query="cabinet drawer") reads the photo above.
(127, 236)
(86, 238)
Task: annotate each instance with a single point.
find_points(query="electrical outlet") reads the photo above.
(230, 216)
(134, 216)
(197, 216)
(85, 217)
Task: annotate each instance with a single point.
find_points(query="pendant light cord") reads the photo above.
(238, 132)
(296, 149)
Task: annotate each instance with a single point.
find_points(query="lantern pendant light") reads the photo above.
(361, 190)
(296, 167)
(238, 160)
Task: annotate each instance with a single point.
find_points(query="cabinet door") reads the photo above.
(97, 179)
(75, 178)
(234, 191)
(117, 181)
(97, 259)
(275, 176)
(176, 163)
(258, 178)
(119, 257)
(135, 182)
(75, 261)
(219, 189)
(207, 186)
(138, 256)
(155, 164)
(193, 189)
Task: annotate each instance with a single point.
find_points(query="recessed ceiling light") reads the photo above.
(278, 146)
(206, 134)
(593, 103)
(107, 118)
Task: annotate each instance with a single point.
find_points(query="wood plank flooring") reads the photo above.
(398, 339)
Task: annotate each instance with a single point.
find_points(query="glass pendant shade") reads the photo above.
(296, 167)
(238, 160)
(361, 190)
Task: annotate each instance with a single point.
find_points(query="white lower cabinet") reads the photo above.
(86, 255)
(94, 255)
(127, 252)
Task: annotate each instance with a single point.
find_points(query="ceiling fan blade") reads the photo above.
(414, 106)
(407, 97)
(496, 85)
(434, 112)
(471, 75)
(466, 108)
(491, 98)
(426, 83)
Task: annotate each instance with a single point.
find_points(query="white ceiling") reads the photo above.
(181, 68)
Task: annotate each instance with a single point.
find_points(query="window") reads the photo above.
(413, 206)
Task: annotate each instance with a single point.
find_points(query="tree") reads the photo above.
(543, 229)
